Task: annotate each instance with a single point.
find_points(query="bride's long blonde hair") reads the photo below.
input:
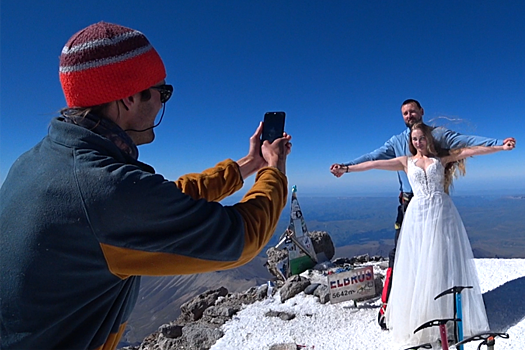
(453, 170)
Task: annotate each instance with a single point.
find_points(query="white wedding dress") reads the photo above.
(433, 254)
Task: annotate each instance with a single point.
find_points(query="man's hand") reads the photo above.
(275, 153)
(258, 156)
(338, 169)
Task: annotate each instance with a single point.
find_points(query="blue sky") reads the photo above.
(339, 69)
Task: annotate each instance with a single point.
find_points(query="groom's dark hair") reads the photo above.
(410, 100)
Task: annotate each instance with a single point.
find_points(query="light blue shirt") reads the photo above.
(397, 146)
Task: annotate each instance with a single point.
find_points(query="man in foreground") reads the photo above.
(81, 219)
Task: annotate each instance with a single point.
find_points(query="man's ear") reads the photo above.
(422, 111)
(128, 102)
(124, 104)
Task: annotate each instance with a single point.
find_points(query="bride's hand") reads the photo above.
(509, 143)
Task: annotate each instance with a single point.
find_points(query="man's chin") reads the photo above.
(411, 123)
(150, 139)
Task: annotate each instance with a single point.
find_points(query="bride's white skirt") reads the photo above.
(433, 254)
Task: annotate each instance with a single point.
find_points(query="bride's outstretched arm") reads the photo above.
(463, 153)
(395, 164)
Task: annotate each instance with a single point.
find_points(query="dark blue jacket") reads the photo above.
(80, 221)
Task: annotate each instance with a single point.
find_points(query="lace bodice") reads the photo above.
(426, 182)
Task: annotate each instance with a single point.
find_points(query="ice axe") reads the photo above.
(488, 339)
(422, 346)
(442, 323)
(458, 311)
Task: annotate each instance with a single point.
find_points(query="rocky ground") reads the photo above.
(199, 325)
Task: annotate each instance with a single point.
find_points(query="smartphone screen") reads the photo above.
(273, 126)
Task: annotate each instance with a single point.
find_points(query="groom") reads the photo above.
(397, 146)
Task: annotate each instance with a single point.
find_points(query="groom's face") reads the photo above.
(411, 114)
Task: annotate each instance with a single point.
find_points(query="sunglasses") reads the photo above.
(165, 91)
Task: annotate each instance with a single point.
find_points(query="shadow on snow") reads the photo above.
(505, 305)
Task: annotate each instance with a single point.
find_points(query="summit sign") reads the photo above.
(351, 285)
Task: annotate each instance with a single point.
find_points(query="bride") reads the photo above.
(434, 253)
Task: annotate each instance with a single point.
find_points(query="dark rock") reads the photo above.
(262, 292)
(193, 309)
(377, 258)
(238, 299)
(342, 261)
(221, 311)
(200, 336)
(195, 336)
(219, 315)
(293, 286)
(323, 293)
(322, 243)
(171, 331)
(274, 256)
(285, 316)
(361, 259)
(311, 288)
(284, 346)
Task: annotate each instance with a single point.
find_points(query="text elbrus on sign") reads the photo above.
(353, 284)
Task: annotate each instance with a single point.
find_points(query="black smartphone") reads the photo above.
(273, 126)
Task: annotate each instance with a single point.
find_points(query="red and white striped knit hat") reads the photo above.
(107, 62)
